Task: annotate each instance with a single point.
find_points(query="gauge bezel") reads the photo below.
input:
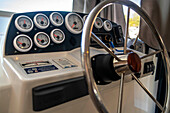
(36, 42)
(38, 25)
(97, 26)
(105, 25)
(21, 29)
(54, 40)
(53, 22)
(68, 26)
(16, 46)
(84, 18)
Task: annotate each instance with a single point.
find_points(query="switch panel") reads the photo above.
(149, 67)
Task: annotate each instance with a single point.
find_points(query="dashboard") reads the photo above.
(54, 31)
(54, 80)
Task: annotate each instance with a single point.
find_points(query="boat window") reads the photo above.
(35, 5)
(7, 7)
(134, 20)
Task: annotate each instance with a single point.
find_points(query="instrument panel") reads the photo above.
(52, 31)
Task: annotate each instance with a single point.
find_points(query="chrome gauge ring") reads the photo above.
(98, 23)
(86, 60)
(42, 40)
(41, 21)
(57, 36)
(22, 43)
(74, 23)
(24, 23)
(56, 19)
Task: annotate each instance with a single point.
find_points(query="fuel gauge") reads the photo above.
(42, 40)
(41, 21)
(98, 23)
(57, 36)
(56, 19)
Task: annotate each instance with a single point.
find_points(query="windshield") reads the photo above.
(20, 6)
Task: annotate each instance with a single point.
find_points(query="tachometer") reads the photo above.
(42, 40)
(23, 23)
(41, 21)
(57, 36)
(22, 43)
(56, 19)
(98, 23)
(74, 23)
(107, 25)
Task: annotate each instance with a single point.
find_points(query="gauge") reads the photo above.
(23, 23)
(74, 23)
(85, 17)
(42, 40)
(56, 19)
(41, 21)
(107, 25)
(22, 43)
(98, 23)
(57, 36)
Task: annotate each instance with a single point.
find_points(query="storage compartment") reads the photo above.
(53, 94)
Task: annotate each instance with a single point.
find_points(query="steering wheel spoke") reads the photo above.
(148, 92)
(151, 54)
(121, 87)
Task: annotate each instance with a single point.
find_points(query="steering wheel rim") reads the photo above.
(85, 52)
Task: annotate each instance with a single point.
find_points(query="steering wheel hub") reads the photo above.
(134, 62)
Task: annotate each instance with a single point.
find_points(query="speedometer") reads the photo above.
(74, 23)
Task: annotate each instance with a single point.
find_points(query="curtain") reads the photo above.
(113, 12)
(159, 13)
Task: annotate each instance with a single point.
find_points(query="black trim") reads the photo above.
(50, 95)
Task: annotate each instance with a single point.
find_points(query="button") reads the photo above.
(73, 65)
(67, 67)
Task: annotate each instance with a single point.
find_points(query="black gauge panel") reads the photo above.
(48, 32)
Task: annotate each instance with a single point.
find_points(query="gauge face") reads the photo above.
(98, 23)
(42, 40)
(56, 19)
(57, 36)
(22, 43)
(107, 25)
(41, 21)
(23, 23)
(74, 23)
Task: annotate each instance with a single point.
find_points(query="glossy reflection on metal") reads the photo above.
(86, 34)
(119, 109)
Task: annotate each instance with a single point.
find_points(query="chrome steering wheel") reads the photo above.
(86, 60)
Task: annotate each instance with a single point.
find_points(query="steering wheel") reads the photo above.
(133, 62)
